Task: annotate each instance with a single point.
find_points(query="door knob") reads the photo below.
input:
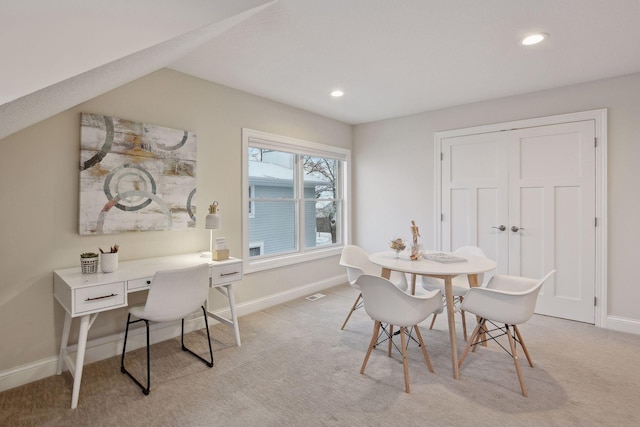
(501, 228)
(515, 229)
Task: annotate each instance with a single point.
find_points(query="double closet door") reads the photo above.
(527, 198)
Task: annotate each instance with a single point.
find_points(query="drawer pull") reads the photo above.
(229, 274)
(102, 297)
(148, 282)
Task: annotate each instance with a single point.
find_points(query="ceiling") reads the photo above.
(391, 58)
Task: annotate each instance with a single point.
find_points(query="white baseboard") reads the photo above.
(109, 346)
(622, 324)
(27, 373)
(282, 297)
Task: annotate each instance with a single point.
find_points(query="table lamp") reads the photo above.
(212, 222)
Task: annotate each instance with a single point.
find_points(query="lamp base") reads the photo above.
(205, 254)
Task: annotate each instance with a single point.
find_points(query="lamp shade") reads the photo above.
(213, 220)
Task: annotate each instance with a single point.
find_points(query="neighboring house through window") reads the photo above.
(295, 199)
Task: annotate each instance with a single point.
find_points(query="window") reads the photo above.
(294, 194)
(256, 248)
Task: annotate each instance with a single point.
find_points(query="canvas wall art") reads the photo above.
(135, 176)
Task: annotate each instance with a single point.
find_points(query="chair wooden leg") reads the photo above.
(524, 347)
(403, 330)
(464, 325)
(374, 338)
(390, 339)
(516, 361)
(424, 349)
(464, 320)
(482, 335)
(470, 341)
(353, 308)
(433, 320)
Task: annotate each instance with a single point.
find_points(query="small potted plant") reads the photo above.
(109, 260)
(89, 262)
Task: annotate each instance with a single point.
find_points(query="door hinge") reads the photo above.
(595, 142)
(441, 156)
(441, 217)
(595, 301)
(595, 222)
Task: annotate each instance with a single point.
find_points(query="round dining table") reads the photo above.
(470, 266)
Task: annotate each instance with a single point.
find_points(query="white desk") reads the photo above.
(87, 295)
(474, 265)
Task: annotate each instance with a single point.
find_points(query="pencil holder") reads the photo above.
(109, 262)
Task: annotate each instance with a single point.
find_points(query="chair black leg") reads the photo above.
(124, 345)
(124, 370)
(144, 389)
(206, 323)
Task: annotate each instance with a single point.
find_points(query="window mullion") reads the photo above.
(299, 185)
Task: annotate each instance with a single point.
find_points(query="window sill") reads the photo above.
(253, 266)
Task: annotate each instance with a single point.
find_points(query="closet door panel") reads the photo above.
(474, 194)
(539, 183)
(552, 204)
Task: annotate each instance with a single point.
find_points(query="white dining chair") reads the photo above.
(460, 285)
(173, 295)
(506, 300)
(386, 303)
(356, 260)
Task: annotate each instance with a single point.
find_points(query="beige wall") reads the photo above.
(39, 169)
(394, 172)
(393, 183)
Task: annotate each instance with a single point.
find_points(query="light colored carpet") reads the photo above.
(297, 368)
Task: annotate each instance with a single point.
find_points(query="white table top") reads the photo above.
(473, 265)
(136, 269)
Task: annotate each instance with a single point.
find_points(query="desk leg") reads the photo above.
(64, 342)
(234, 317)
(82, 346)
(448, 290)
(228, 292)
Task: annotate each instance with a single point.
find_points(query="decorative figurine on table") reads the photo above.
(397, 245)
(415, 247)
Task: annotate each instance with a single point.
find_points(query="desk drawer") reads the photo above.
(98, 298)
(228, 273)
(143, 283)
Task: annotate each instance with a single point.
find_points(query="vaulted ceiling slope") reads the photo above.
(391, 58)
(58, 54)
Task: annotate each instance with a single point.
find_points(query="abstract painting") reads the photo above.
(135, 176)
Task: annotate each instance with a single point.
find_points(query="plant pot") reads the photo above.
(89, 265)
(109, 262)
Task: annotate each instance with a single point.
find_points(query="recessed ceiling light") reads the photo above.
(534, 39)
(337, 93)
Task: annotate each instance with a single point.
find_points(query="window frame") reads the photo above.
(258, 139)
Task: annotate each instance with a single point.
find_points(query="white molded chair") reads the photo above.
(386, 303)
(173, 295)
(506, 300)
(357, 262)
(460, 285)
